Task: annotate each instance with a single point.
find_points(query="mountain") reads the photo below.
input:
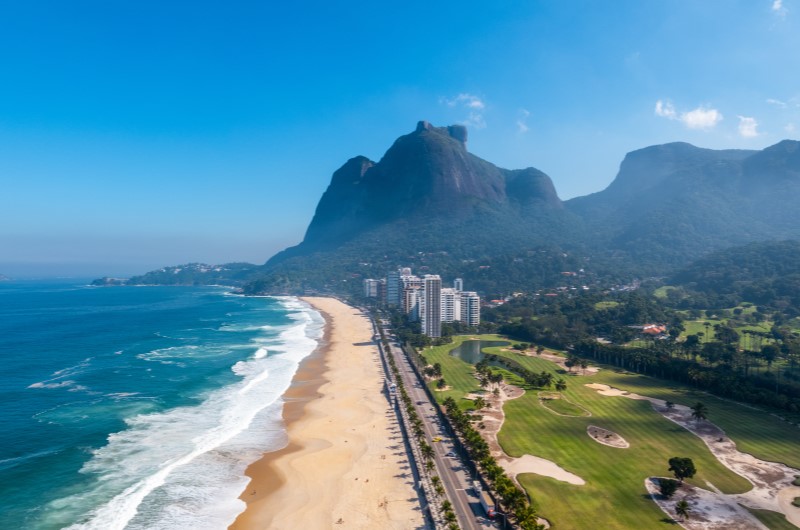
(430, 204)
(673, 203)
(190, 274)
(425, 177)
(766, 273)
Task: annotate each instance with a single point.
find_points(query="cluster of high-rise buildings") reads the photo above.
(424, 299)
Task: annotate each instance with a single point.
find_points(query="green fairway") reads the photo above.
(614, 496)
(561, 405)
(772, 520)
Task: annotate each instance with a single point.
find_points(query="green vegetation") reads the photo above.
(796, 481)
(560, 405)
(772, 520)
(667, 487)
(605, 304)
(796, 502)
(682, 468)
(529, 429)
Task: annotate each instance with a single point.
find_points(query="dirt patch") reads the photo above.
(606, 437)
(707, 509)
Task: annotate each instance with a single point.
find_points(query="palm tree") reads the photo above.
(699, 411)
(480, 403)
(682, 508)
(561, 385)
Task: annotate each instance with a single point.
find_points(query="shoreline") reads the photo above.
(341, 464)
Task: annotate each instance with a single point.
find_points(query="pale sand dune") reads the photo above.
(345, 464)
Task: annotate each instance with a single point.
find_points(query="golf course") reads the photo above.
(556, 426)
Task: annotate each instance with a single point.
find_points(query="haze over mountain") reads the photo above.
(430, 204)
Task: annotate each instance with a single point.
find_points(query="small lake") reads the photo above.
(471, 350)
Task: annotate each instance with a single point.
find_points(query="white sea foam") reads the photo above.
(260, 353)
(184, 468)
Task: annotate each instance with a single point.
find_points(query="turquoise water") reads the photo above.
(139, 407)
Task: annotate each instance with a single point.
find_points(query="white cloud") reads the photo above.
(703, 118)
(748, 127)
(475, 120)
(466, 100)
(665, 109)
(778, 8)
(473, 104)
(777, 103)
(522, 121)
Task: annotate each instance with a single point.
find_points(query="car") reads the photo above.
(450, 454)
(437, 439)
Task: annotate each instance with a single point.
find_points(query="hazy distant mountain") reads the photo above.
(675, 202)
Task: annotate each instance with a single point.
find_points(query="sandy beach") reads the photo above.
(345, 464)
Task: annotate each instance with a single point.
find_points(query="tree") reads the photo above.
(682, 508)
(570, 362)
(480, 403)
(682, 468)
(667, 487)
(441, 383)
(584, 365)
(539, 349)
(561, 385)
(699, 411)
(669, 404)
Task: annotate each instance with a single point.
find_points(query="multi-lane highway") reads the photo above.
(455, 476)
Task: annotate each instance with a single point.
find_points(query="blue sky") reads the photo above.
(140, 134)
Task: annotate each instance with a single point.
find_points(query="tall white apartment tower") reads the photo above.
(470, 308)
(451, 304)
(431, 310)
(458, 284)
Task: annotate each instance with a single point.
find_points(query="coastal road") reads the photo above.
(455, 476)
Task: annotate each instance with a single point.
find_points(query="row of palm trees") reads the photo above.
(511, 497)
(417, 429)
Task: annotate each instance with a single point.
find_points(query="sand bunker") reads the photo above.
(539, 466)
(492, 420)
(606, 437)
(772, 481)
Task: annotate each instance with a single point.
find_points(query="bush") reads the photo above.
(667, 487)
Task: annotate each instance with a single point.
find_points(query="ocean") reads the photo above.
(139, 407)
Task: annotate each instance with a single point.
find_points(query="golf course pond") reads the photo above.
(471, 351)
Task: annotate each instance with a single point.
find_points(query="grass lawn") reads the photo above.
(560, 405)
(615, 477)
(772, 520)
(605, 304)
